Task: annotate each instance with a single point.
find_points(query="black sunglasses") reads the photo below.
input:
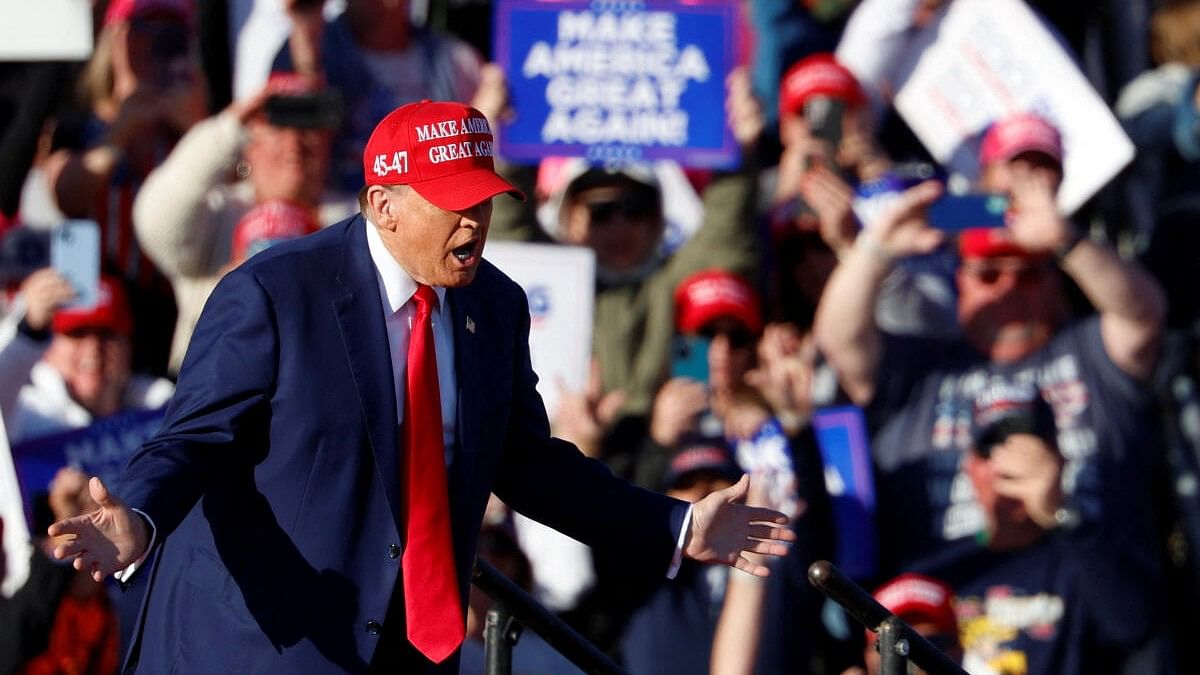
(633, 205)
(739, 338)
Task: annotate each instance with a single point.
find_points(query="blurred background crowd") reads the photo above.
(1028, 392)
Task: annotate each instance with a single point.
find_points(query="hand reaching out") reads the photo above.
(103, 541)
(724, 530)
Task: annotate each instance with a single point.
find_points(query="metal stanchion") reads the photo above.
(860, 605)
(500, 634)
(893, 648)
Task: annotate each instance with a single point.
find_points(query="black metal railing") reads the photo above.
(513, 610)
(898, 643)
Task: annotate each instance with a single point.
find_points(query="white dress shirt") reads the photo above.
(396, 288)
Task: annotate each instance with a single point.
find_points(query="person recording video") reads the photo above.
(186, 214)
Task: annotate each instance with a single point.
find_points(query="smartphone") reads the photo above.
(75, 254)
(689, 357)
(320, 110)
(824, 116)
(954, 213)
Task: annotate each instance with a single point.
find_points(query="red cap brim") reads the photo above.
(462, 191)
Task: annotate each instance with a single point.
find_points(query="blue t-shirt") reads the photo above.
(921, 419)
(1070, 604)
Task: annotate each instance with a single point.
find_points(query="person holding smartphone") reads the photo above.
(273, 148)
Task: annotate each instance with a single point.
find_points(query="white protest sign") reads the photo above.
(16, 530)
(45, 30)
(985, 59)
(560, 284)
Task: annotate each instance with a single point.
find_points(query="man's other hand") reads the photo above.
(103, 541)
(724, 530)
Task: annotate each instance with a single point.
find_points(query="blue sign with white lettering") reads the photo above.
(101, 449)
(618, 81)
(845, 450)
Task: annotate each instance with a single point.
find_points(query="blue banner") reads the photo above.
(845, 450)
(101, 449)
(618, 81)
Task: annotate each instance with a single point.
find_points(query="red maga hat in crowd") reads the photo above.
(442, 150)
(817, 75)
(916, 598)
(111, 312)
(706, 296)
(990, 242)
(1015, 134)
(127, 10)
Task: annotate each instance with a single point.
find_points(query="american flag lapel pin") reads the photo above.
(470, 325)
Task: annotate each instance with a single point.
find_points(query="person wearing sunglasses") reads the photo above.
(1017, 327)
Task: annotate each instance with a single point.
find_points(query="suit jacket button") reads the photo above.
(374, 628)
(393, 551)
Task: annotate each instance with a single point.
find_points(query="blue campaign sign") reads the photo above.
(101, 449)
(618, 80)
(842, 437)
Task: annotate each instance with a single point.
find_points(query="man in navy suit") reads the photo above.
(276, 493)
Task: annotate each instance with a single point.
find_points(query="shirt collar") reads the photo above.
(398, 287)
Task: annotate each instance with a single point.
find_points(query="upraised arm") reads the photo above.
(845, 327)
(1131, 304)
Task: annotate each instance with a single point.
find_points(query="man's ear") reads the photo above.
(383, 203)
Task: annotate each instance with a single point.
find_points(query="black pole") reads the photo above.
(500, 634)
(830, 581)
(552, 629)
(893, 648)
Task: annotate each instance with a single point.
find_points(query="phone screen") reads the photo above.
(689, 357)
(75, 254)
(320, 110)
(824, 117)
(954, 213)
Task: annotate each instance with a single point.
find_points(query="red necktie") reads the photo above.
(431, 600)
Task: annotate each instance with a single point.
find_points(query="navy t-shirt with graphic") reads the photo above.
(921, 419)
(1070, 604)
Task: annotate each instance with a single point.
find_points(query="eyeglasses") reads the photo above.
(632, 205)
(739, 338)
(989, 272)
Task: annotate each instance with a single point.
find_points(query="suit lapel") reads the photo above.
(468, 368)
(364, 337)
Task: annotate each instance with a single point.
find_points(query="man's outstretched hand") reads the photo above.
(103, 541)
(724, 529)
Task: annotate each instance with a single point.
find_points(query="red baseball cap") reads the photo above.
(915, 597)
(1015, 134)
(269, 223)
(818, 75)
(111, 311)
(443, 150)
(990, 242)
(289, 83)
(126, 10)
(712, 294)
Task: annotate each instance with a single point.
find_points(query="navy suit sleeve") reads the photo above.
(217, 419)
(549, 480)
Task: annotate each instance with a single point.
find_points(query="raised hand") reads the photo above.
(676, 408)
(832, 199)
(103, 541)
(902, 230)
(1035, 224)
(44, 291)
(724, 530)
